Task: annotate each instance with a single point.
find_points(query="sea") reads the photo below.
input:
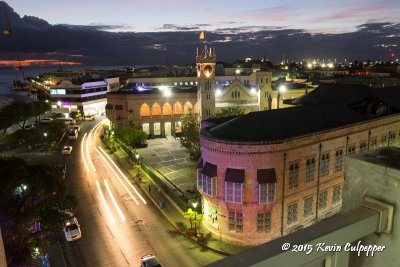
(8, 75)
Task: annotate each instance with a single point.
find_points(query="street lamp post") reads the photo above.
(281, 89)
(45, 139)
(195, 222)
(137, 156)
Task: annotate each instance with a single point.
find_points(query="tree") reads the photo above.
(77, 115)
(39, 108)
(9, 115)
(33, 201)
(191, 131)
(229, 112)
(131, 135)
(25, 110)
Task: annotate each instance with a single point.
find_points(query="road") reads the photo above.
(118, 223)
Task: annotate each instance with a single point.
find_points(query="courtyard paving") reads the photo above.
(172, 160)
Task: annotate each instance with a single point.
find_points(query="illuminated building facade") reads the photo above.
(157, 112)
(266, 174)
(206, 93)
(89, 97)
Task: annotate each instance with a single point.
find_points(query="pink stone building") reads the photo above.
(266, 174)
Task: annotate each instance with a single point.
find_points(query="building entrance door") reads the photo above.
(146, 128)
(167, 129)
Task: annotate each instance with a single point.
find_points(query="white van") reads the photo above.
(67, 121)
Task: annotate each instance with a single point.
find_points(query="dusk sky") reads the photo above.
(130, 32)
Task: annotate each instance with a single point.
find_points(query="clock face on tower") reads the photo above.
(208, 69)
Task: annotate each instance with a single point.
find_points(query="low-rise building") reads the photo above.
(87, 97)
(156, 112)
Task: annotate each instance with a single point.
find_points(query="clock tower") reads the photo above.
(205, 61)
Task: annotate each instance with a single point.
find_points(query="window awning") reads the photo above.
(109, 106)
(234, 175)
(209, 169)
(200, 165)
(266, 176)
(118, 107)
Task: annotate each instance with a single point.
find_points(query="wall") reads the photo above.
(251, 157)
(375, 174)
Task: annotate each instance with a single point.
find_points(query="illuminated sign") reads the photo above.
(57, 91)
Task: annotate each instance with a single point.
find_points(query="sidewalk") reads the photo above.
(174, 215)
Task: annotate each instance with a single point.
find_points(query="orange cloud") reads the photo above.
(36, 62)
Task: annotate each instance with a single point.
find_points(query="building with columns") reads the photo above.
(266, 174)
(205, 92)
(158, 113)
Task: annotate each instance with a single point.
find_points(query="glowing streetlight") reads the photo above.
(167, 93)
(281, 89)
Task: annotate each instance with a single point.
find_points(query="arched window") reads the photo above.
(155, 110)
(187, 107)
(145, 110)
(177, 108)
(167, 109)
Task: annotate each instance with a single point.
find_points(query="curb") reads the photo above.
(193, 240)
(224, 253)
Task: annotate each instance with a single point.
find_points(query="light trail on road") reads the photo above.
(123, 175)
(114, 202)
(119, 179)
(105, 203)
(83, 154)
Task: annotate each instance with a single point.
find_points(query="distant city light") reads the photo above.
(309, 65)
(282, 88)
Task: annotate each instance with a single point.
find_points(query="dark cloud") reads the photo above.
(183, 28)
(176, 44)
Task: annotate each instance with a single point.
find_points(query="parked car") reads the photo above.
(46, 120)
(67, 121)
(29, 127)
(142, 144)
(149, 260)
(72, 230)
(78, 128)
(89, 118)
(66, 150)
